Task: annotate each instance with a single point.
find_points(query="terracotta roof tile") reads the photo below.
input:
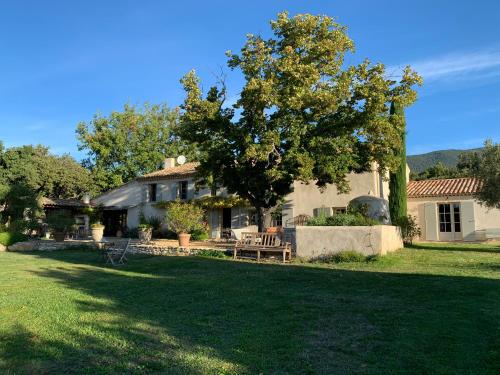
(449, 186)
(179, 171)
(54, 202)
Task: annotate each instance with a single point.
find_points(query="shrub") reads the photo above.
(184, 217)
(131, 233)
(10, 238)
(349, 256)
(409, 228)
(144, 226)
(347, 219)
(60, 221)
(211, 253)
(199, 235)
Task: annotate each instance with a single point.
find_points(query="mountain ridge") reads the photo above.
(420, 162)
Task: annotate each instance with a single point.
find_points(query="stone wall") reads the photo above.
(312, 242)
(136, 247)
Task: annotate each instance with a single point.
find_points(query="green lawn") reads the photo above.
(430, 309)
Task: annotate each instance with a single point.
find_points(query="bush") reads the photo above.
(184, 217)
(409, 228)
(60, 221)
(211, 253)
(131, 232)
(10, 238)
(349, 256)
(199, 235)
(347, 219)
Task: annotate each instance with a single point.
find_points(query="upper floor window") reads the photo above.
(152, 192)
(183, 190)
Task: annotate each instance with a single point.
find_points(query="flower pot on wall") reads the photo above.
(97, 233)
(59, 236)
(184, 239)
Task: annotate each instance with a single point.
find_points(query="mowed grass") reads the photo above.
(428, 309)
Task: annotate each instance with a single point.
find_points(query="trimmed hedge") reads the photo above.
(10, 238)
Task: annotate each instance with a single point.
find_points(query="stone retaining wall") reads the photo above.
(136, 247)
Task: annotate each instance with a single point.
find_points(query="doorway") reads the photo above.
(450, 223)
(226, 218)
(113, 221)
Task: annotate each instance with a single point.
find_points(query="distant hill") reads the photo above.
(419, 163)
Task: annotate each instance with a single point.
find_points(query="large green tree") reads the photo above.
(488, 170)
(129, 143)
(397, 179)
(30, 172)
(303, 115)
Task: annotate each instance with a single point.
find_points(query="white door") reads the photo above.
(450, 223)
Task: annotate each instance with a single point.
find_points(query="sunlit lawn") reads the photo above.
(430, 309)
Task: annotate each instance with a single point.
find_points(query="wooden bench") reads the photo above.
(262, 243)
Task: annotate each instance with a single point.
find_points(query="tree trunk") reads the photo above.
(263, 218)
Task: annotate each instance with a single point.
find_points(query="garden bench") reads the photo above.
(114, 252)
(262, 243)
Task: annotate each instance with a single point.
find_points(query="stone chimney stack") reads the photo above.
(169, 163)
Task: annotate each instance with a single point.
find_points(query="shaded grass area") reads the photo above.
(419, 310)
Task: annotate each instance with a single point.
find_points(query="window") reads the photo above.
(456, 217)
(339, 210)
(449, 218)
(278, 220)
(183, 190)
(152, 192)
(322, 211)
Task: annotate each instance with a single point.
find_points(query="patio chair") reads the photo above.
(115, 252)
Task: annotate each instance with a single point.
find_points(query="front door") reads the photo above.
(450, 224)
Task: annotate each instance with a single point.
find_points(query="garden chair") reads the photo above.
(115, 252)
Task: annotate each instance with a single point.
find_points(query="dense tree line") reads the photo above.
(28, 173)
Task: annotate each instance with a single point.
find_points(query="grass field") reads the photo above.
(429, 309)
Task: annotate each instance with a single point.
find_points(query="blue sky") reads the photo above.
(62, 61)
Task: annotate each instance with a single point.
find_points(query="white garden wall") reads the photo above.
(312, 242)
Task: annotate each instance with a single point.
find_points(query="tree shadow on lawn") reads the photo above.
(200, 315)
(478, 248)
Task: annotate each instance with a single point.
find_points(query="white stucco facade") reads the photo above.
(477, 222)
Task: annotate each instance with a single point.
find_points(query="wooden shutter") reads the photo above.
(431, 224)
(468, 220)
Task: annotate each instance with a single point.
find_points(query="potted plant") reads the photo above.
(184, 218)
(59, 222)
(97, 231)
(145, 232)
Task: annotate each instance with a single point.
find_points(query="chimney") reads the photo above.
(169, 163)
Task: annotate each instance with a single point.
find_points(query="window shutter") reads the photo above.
(468, 220)
(431, 227)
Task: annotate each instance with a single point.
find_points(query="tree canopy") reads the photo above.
(29, 172)
(486, 166)
(129, 143)
(304, 114)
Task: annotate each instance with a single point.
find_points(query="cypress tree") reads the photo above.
(397, 179)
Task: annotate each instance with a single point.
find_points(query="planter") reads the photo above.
(184, 239)
(97, 233)
(145, 234)
(59, 236)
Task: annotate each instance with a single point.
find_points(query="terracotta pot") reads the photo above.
(59, 236)
(272, 230)
(97, 233)
(184, 239)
